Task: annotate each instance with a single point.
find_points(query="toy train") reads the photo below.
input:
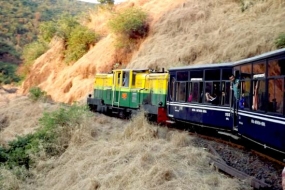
(244, 99)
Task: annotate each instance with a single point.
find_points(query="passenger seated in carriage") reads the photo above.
(209, 98)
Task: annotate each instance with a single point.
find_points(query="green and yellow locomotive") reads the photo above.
(125, 91)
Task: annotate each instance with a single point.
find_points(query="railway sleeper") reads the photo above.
(219, 163)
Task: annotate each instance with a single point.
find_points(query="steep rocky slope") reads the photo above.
(181, 32)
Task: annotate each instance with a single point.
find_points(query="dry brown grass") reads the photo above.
(107, 153)
(8, 180)
(200, 32)
(19, 116)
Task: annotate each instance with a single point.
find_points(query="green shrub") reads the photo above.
(35, 93)
(280, 41)
(8, 73)
(130, 24)
(78, 43)
(52, 137)
(20, 149)
(65, 26)
(57, 127)
(47, 31)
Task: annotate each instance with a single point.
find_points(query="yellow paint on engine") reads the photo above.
(137, 79)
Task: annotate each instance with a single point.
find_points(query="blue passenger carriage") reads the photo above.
(261, 118)
(201, 94)
(250, 106)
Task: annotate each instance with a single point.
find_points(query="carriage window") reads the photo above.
(197, 89)
(195, 92)
(172, 88)
(276, 67)
(275, 95)
(247, 69)
(181, 91)
(212, 74)
(245, 94)
(182, 76)
(226, 74)
(225, 94)
(259, 99)
(196, 74)
(190, 92)
(208, 91)
(259, 68)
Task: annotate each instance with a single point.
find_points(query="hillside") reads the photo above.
(20, 20)
(181, 32)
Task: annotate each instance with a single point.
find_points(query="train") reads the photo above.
(242, 99)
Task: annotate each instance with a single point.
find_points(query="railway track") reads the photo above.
(260, 171)
(257, 169)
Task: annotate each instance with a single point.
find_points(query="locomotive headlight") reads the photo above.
(160, 103)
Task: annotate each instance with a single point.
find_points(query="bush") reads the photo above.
(19, 151)
(35, 93)
(52, 137)
(8, 73)
(280, 41)
(47, 31)
(65, 26)
(130, 24)
(78, 43)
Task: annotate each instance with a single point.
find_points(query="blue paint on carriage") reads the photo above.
(263, 128)
(267, 129)
(208, 115)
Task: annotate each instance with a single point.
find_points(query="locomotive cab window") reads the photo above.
(119, 78)
(134, 79)
(126, 79)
